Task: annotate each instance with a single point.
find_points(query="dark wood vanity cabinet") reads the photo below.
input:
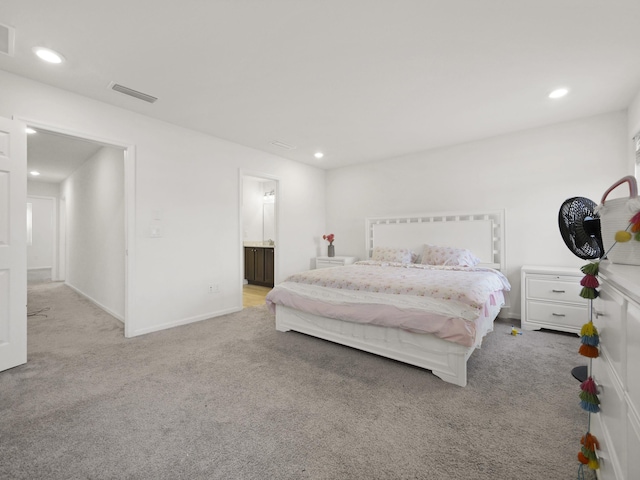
(259, 266)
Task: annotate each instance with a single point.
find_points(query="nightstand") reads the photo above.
(327, 262)
(551, 299)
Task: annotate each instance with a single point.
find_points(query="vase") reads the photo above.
(331, 251)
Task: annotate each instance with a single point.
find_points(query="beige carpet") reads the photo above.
(231, 398)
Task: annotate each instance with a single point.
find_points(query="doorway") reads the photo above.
(86, 178)
(258, 234)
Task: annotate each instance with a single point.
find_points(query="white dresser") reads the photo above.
(326, 262)
(617, 372)
(551, 299)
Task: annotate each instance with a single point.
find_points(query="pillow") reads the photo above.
(387, 254)
(434, 255)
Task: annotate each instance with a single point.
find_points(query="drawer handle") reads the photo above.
(558, 291)
(558, 314)
(599, 314)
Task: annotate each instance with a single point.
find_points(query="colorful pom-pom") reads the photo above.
(589, 386)
(589, 293)
(588, 351)
(582, 459)
(590, 441)
(593, 340)
(622, 236)
(589, 335)
(635, 218)
(635, 227)
(593, 464)
(589, 402)
(591, 268)
(588, 329)
(590, 281)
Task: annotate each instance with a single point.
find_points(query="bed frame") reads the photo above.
(482, 233)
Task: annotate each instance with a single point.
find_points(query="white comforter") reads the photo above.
(449, 302)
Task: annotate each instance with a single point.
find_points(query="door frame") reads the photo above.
(242, 173)
(129, 207)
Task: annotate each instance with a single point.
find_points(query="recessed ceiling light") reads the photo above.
(48, 55)
(318, 154)
(35, 173)
(30, 130)
(559, 93)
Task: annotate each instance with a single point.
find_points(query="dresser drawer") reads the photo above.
(556, 288)
(552, 314)
(329, 263)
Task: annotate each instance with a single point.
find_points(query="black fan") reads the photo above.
(580, 228)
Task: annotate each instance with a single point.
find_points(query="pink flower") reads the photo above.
(329, 238)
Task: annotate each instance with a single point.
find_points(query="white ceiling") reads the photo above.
(360, 80)
(56, 156)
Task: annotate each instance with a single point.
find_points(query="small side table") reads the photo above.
(328, 262)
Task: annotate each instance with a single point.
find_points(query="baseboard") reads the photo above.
(95, 302)
(184, 321)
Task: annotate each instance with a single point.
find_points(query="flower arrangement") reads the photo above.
(329, 238)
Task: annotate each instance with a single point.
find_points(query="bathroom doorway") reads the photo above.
(258, 226)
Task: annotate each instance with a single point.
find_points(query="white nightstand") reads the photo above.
(551, 299)
(326, 262)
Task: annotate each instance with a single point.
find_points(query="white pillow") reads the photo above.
(434, 255)
(388, 254)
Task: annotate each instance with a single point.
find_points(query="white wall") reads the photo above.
(43, 189)
(633, 130)
(191, 181)
(529, 173)
(44, 252)
(40, 252)
(252, 221)
(95, 233)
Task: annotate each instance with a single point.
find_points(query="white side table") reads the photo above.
(327, 262)
(551, 299)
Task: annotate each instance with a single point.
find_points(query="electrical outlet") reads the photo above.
(214, 288)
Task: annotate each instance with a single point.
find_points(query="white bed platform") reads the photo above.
(482, 233)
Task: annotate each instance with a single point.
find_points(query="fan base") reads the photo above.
(580, 373)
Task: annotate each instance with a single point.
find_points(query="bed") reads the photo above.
(432, 315)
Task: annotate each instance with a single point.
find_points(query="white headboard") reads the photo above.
(482, 233)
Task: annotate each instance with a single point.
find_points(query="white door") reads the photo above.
(13, 244)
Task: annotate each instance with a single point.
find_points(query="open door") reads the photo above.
(13, 244)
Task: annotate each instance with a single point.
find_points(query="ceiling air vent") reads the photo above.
(7, 39)
(132, 93)
(283, 145)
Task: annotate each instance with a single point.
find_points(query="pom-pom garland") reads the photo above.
(589, 341)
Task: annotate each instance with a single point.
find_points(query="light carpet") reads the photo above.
(232, 398)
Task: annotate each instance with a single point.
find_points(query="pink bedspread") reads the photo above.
(452, 303)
